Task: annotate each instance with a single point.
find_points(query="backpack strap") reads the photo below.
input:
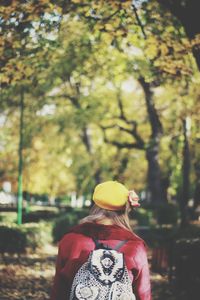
(121, 243)
(101, 245)
(97, 244)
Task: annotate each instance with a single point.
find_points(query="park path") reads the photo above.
(30, 277)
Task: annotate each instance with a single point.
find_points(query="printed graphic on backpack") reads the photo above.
(103, 276)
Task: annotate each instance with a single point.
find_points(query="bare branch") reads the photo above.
(73, 99)
(98, 18)
(130, 131)
(120, 105)
(138, 21)
(137, 145)
(107, 127)
(133, 131)
(125, 145)
(122, 114)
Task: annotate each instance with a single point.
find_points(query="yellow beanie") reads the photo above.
(110, 195)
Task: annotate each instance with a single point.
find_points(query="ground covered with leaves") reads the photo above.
(30, 276)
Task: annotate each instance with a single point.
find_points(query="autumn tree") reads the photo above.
(187, 13)
(76, 63)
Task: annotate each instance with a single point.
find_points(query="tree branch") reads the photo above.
(124, 145)
(98, 18)
(119, 145)
(138, 21)
(133, 130)
(73, 99)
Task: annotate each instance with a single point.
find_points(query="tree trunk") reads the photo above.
(197, 186)
(97, 176)
(85, 132)
(86, 139)
(155, 189)
(186, 172)
(119, 175)
(156, 193)
(20, 167)
(165, 185)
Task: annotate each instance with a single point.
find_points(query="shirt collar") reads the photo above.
(105, 232)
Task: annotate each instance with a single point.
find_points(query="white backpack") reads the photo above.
(104, 276)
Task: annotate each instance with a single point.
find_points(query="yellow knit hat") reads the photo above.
(111, 195)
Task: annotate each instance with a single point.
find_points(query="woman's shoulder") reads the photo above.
(73, 243)
(137, 245)
(71, 237)
(107, 232)
(87, 232)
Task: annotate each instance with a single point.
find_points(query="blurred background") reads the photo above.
(94, 91)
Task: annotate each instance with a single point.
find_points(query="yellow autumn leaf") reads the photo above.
(76, 1)
(4, 78)
(164, 49)
(109, 27)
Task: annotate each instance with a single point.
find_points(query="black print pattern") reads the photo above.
(104, 276)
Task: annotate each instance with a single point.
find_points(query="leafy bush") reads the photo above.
(186, 265)
(64, 223)
(189, 232)
(157, 236)
(167, 214)
(161, 236)
(81, 213)
(15, 239)
(12, 240)
(37, 234)
(144, 217)
(36, 216)
(8, 217)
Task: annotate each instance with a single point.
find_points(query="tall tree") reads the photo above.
(186, 11)
(155, 190)
(155, 186)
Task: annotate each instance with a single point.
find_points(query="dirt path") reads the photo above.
(30, 278)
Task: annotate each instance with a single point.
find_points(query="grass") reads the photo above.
(8, 217)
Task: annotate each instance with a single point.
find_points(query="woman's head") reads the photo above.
(113, 202)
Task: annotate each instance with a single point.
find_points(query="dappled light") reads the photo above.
(93, 91)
